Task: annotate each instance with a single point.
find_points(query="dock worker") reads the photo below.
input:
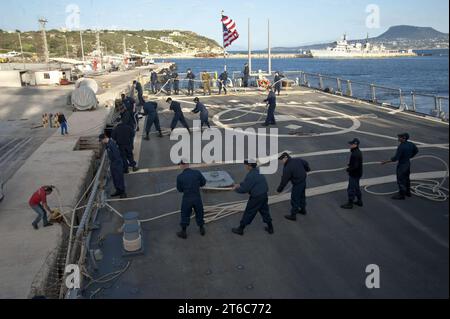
(405, 152)
(223, 79)
(62, 123)
(246, 74)
(277, 82)
(255, 185)
(176, 83)
(190, 76)
(140, 92)
(178, 115)
(38, 202)
(154, 82)
(123, 135)
(204, 114)
(272, 104)
(295, 171)
(189, 183)
(206, 82)
(355, 172)
(151, 112)
(115, 165)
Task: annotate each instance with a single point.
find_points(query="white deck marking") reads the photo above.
(302, 155)
(330, 188)
(293, 127)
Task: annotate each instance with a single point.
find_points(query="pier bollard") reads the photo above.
(349, 88)
(339, 85)
(45, 120)
(132, 234)
(132, 239)
(131, 218)
(374, 94)
(55, 121)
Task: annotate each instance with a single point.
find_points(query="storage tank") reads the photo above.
(84, 97)
(90, 83)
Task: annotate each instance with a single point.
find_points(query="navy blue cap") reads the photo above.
(250, 162)
(284, 155)
(355, 141)
(404, 135)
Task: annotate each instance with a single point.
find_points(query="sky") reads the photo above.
(293, 22)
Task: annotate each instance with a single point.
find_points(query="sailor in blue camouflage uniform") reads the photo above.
(115, 164)
(123, 135)
(222, 82)
(178, 115)
(140, 92)
(151, 112)
(272, 104)
(190, 77)
(277, 82)
(355, 172)
(154, 82)
(176, 83)
(130, 117)
(405, 152)
(189, 183)
(295, 171)
(204, 114)
(255, 185)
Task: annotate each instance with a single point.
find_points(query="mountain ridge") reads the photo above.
(396, 37)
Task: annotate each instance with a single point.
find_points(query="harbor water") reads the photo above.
(422, 74)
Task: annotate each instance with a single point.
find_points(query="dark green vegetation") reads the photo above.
(111, 41)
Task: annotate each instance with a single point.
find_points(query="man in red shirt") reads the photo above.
(38, 202)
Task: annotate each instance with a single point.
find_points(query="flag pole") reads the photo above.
(224, 50)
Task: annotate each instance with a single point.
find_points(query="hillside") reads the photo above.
(396, 37)
(159, 42)
(411, 33)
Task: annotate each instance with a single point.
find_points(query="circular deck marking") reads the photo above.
(355, 122)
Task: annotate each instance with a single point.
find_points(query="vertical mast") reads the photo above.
(249, 48)
(269, 47)
(224, 50)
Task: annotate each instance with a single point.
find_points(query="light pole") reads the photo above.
(67, 46)
(21, 49)
(82, 46)
(43, 21)
(146, 46)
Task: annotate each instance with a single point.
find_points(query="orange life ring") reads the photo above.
(264, 83)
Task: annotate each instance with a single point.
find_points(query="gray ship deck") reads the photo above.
(323, 254)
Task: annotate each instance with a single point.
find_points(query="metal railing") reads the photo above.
(79, 240)
(423, 103)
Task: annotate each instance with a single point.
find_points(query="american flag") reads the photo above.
(230, 33)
